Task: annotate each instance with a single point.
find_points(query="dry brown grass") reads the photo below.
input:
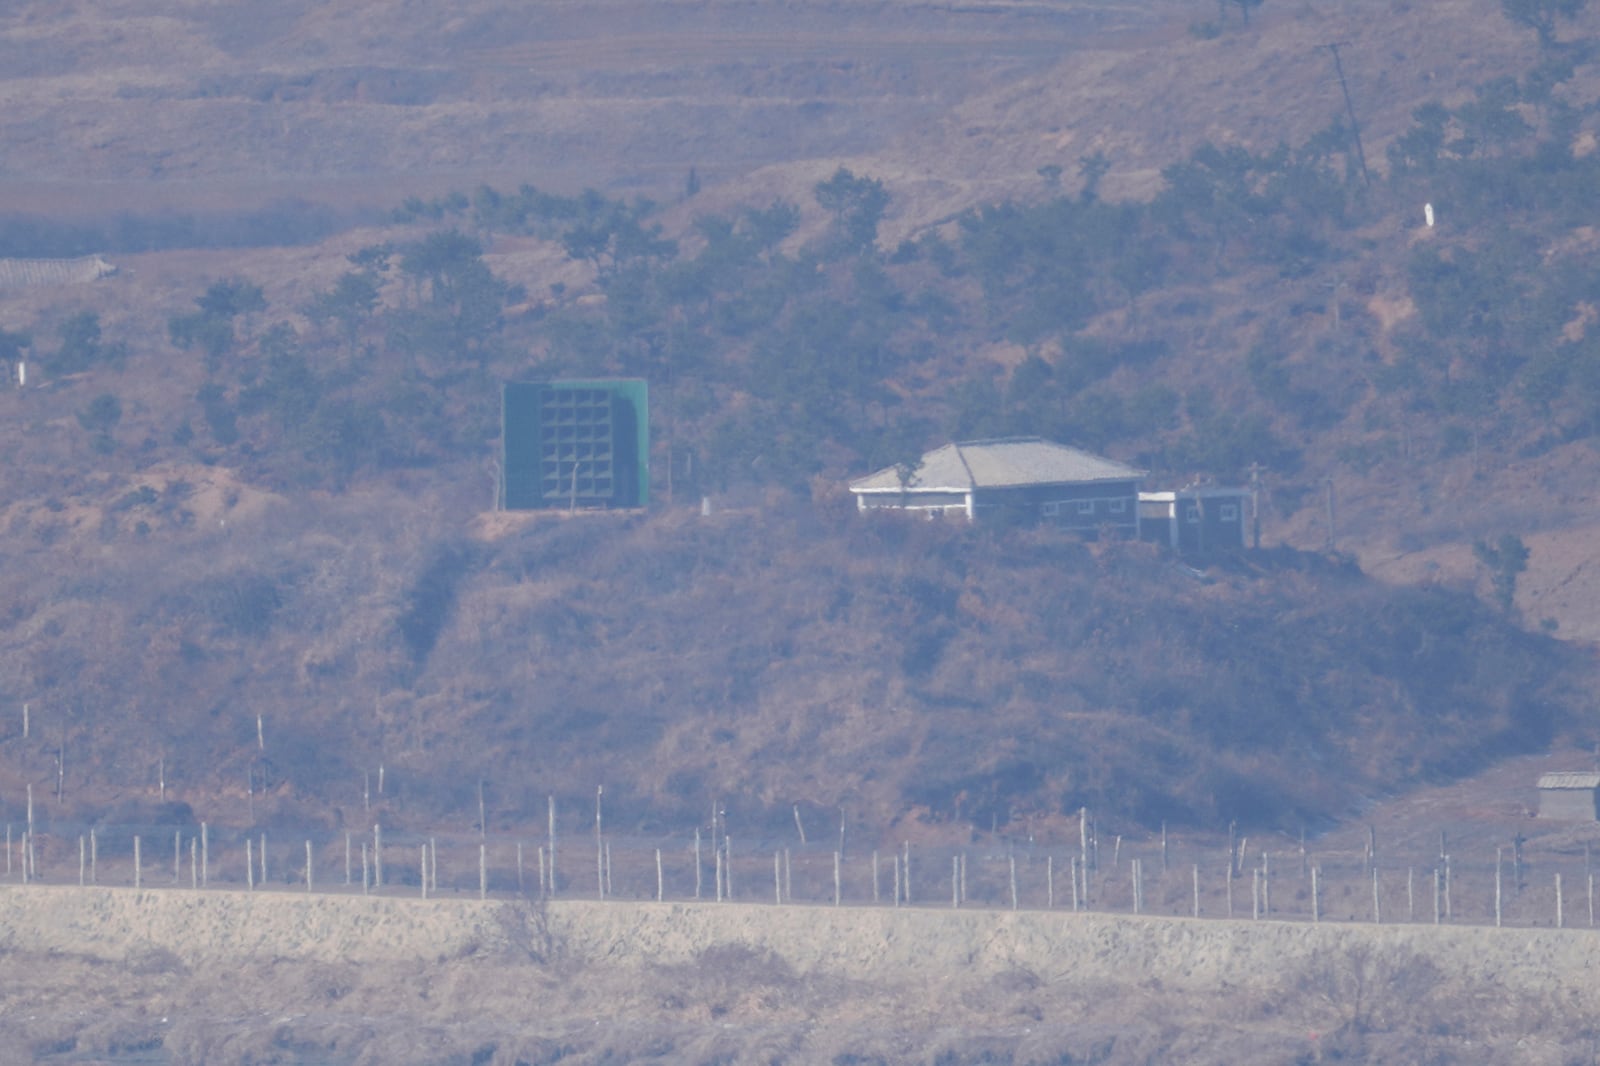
(745, 984)
(746, 679)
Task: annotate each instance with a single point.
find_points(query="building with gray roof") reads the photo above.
(1027, 476)
(1569, 796)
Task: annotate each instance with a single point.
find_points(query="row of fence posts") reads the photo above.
(372, 875)
(372, 878)
(1087, 860)
(1080, 866)
(256, 870)
(1261, 881)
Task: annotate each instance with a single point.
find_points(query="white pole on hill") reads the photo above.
(1498, 852)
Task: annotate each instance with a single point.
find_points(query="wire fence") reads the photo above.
(1524, 885)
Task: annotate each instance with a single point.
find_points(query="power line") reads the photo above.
(1349, 105)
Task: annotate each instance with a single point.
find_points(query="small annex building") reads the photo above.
(1197, 519)
(1569, 796)
(1040, 479)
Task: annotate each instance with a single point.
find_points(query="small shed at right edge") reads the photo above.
(1569, 796)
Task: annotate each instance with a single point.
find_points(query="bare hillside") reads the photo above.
(251, 579)
(950, 105)
(223, 104)
(232, 496)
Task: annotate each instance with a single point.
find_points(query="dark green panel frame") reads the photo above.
(575, 444)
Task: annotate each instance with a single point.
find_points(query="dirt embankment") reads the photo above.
(859, 943)
(215, 976)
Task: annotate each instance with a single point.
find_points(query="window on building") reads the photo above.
(1191, 513)
(1119, 506)
(1050, 510)
(1228, 512)
(1086, 507)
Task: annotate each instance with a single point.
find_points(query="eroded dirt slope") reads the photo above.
(172, 976)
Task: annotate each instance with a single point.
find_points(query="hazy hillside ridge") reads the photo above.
(245, 483)
(903, 671)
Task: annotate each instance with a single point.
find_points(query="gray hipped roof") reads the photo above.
(995, 464)
(1569, 779)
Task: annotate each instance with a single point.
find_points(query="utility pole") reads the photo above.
(1332, 540)
(1255, 505)
(1350, 107)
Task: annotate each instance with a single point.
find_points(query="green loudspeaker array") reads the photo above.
(575, 445)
